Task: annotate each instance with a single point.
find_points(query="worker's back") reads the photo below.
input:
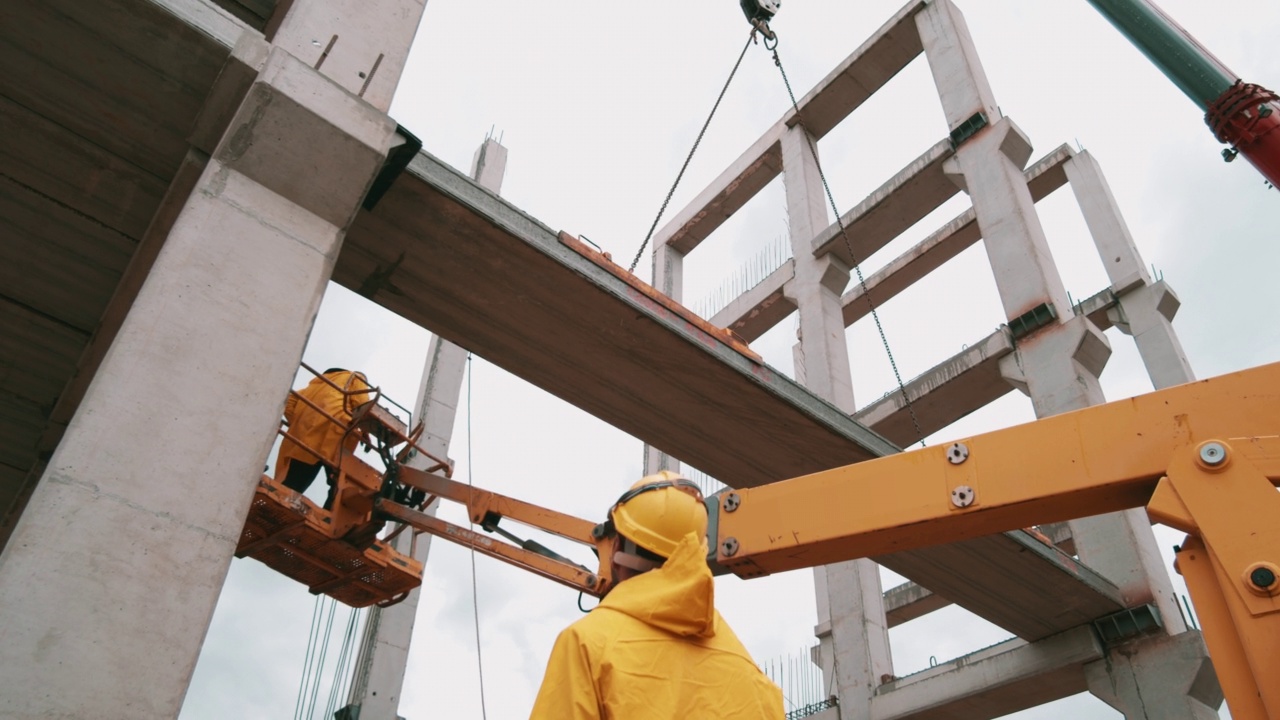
(656, 649)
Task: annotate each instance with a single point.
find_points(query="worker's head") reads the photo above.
(651, 519)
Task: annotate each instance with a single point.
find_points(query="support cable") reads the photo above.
(475, 594)
(862, 282)
(340, 676)
(324, 650)
(300, 701)
(694, 149)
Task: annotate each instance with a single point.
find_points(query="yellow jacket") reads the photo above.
(656, 649)
(314, 429)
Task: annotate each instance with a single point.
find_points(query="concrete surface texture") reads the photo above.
(149, 485)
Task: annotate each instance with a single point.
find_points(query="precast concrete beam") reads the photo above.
(999, 680)
(113, 570)
(864, 72)
(1014, 581)
(726, 195)
(965, 382)
(465, 264)
(1045, 176)
(907, 197)
(909, 601)
(756, 311)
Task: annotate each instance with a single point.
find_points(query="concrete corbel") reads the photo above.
(1011, 141)
(834, 273)
(289, 112)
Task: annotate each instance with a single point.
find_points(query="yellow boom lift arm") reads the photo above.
(1203, 458)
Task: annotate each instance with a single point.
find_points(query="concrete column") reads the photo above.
(953, 60)
(113, 571)
(852, 631)
(1058, 364)
(818, 282)
(361, 44)
(384, 654)
(668, 278)
(1163, 677)
(1146, 308)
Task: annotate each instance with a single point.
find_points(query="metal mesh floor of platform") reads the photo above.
(285, 531)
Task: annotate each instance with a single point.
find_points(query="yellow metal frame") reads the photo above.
(1203, 458)
(486, 508)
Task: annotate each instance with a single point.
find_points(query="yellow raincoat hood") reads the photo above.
(656, 649)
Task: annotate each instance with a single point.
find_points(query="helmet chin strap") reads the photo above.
(627, 557)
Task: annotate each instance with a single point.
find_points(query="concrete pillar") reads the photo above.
(818, 282)
(1145, 308)
(668, 278)
(1059, 363)
(113, 571)
(852, 631)
(360, 44)
(1163, 677)
(384, 654)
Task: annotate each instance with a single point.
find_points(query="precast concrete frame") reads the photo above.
(1049, 349)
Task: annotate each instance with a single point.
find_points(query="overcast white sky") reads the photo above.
(598, 104)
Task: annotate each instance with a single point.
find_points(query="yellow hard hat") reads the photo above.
(657, 512)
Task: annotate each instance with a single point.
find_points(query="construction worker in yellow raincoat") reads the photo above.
(296, 468)
(655, 648)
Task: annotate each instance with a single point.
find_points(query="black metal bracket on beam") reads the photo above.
(1128, 625)
(968, 129)
(1032, 320)
(402, 153)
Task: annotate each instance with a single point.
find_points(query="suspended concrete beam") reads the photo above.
(909, 601)
(1045, 176)
(841, 92)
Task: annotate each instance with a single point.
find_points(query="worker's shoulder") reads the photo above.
(603, 625)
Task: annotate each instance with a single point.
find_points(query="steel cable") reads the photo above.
(862, 282)
(475, 594)
(694, 149)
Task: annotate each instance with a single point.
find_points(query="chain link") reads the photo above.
(862, 282)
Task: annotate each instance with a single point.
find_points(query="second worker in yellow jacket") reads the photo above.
(296, 467)
(655, 648)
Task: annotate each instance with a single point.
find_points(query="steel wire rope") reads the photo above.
(324, 650)
(694, 149)
(308, 658)
(344, 660)
(475, 594)
(844, 235)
